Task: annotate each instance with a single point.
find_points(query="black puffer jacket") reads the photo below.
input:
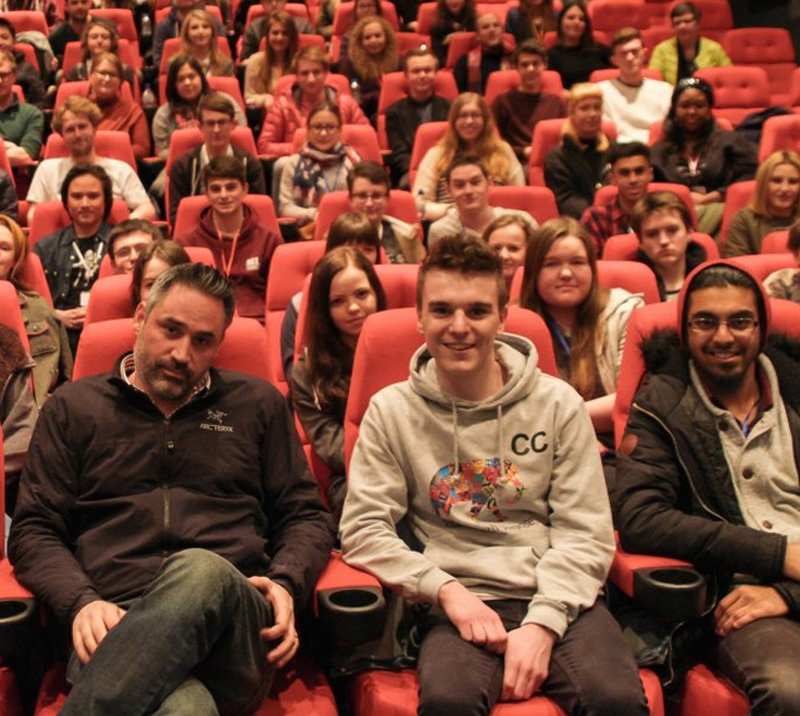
(676, 496)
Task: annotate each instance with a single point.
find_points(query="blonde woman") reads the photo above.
(775, 204)
(199, 40)
(265, 68)
(371, 54)
(471, 129)
(574, 169)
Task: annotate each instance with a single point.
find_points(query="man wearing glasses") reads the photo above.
(708, 472)
(217, 120)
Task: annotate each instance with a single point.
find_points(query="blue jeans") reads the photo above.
(190, 645)
(762, 660)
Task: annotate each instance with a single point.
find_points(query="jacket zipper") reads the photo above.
(658, 420)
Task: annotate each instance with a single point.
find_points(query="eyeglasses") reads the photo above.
(329, 128)
(366, 196)
(214, 123)
(709, 325)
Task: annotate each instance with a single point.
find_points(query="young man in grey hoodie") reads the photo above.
(513, 559)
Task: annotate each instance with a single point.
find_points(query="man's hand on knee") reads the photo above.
(91, 625)
(745, 604)
(474, 620)
(283, 632)
(527, 661)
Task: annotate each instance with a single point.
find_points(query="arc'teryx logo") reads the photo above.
(216, 417)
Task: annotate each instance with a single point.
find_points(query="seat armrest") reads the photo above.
(670, 588)
(349, 603)
(19, 622)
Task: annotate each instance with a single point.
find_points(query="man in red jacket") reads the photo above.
(241, 244)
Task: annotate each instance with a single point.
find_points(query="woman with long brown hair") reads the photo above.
(471, 130)
(265, 68)
(587, 323)
(344, 291)
(199, 40)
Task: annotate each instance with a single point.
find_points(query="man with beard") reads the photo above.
(708, 472)
(167, 516)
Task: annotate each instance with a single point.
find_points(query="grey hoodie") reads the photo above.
(541, 531)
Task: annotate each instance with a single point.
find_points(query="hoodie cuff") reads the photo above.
(430, 583)
(548, 614)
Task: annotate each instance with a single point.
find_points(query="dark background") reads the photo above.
(767, 13)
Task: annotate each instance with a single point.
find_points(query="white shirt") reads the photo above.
(634, 109)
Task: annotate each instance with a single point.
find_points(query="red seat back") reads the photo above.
(738, 91)
(401, 205)
(611, 15)
(538, 201)
(776, 242)
(779, 133)
(769, 48)
(11, 313)
(107, 143)
(624, 247)
(344, 17)
(736, 197)
(504, 81)
(50, 216)
(189, 210)
(33, 277)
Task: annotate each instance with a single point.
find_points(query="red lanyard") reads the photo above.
(227, 266)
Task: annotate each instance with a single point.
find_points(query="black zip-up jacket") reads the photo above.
(676, 496)
(111, 488)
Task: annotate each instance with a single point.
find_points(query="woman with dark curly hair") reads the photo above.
(576, 55)
(695, 152)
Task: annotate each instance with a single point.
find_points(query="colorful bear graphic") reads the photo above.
(475, 482)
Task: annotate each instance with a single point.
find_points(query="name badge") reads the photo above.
(253, 263)
(84, 299)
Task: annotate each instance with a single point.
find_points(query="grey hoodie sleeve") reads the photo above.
(572, 571)
(377, 499)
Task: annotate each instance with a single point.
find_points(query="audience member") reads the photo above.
(631, 100)
(327, 13)
(18, 411)
(186, 86)
(490, 54)
(27, 77)
(680, 57)
(76, 121)
(471, 130)
(217, 121)
(451, 16)
(629, 170)
(242, 245)
(127, 240)
(289, 112)
(468, 184)
(519, 110)
(509, 235)
(587, 323)
(77, 15)
(576, 54)
(213, 602)
(266, 67)
(696, 152)
(785, 283)
(99, 38)
(372, 53)
(47, 336)
(532, 19)
(155, 258)
(369, 188)
(117, 114)
(664, 226)
(171, 26)
(361, 10)
(344, 290)
(708, 474)
(574, 169)
(256, 30)
(71, 256)
(21, 123)
(321, 166)
(353, 228)
(406, 116)
(517, 620)
(775, 204)
(199, 40)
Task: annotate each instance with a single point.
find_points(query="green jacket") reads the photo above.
(665, 58)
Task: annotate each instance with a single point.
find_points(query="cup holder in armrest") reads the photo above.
(18, 625)
(352, 616)
(671, 592)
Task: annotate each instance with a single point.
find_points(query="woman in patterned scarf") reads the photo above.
(321, 165)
